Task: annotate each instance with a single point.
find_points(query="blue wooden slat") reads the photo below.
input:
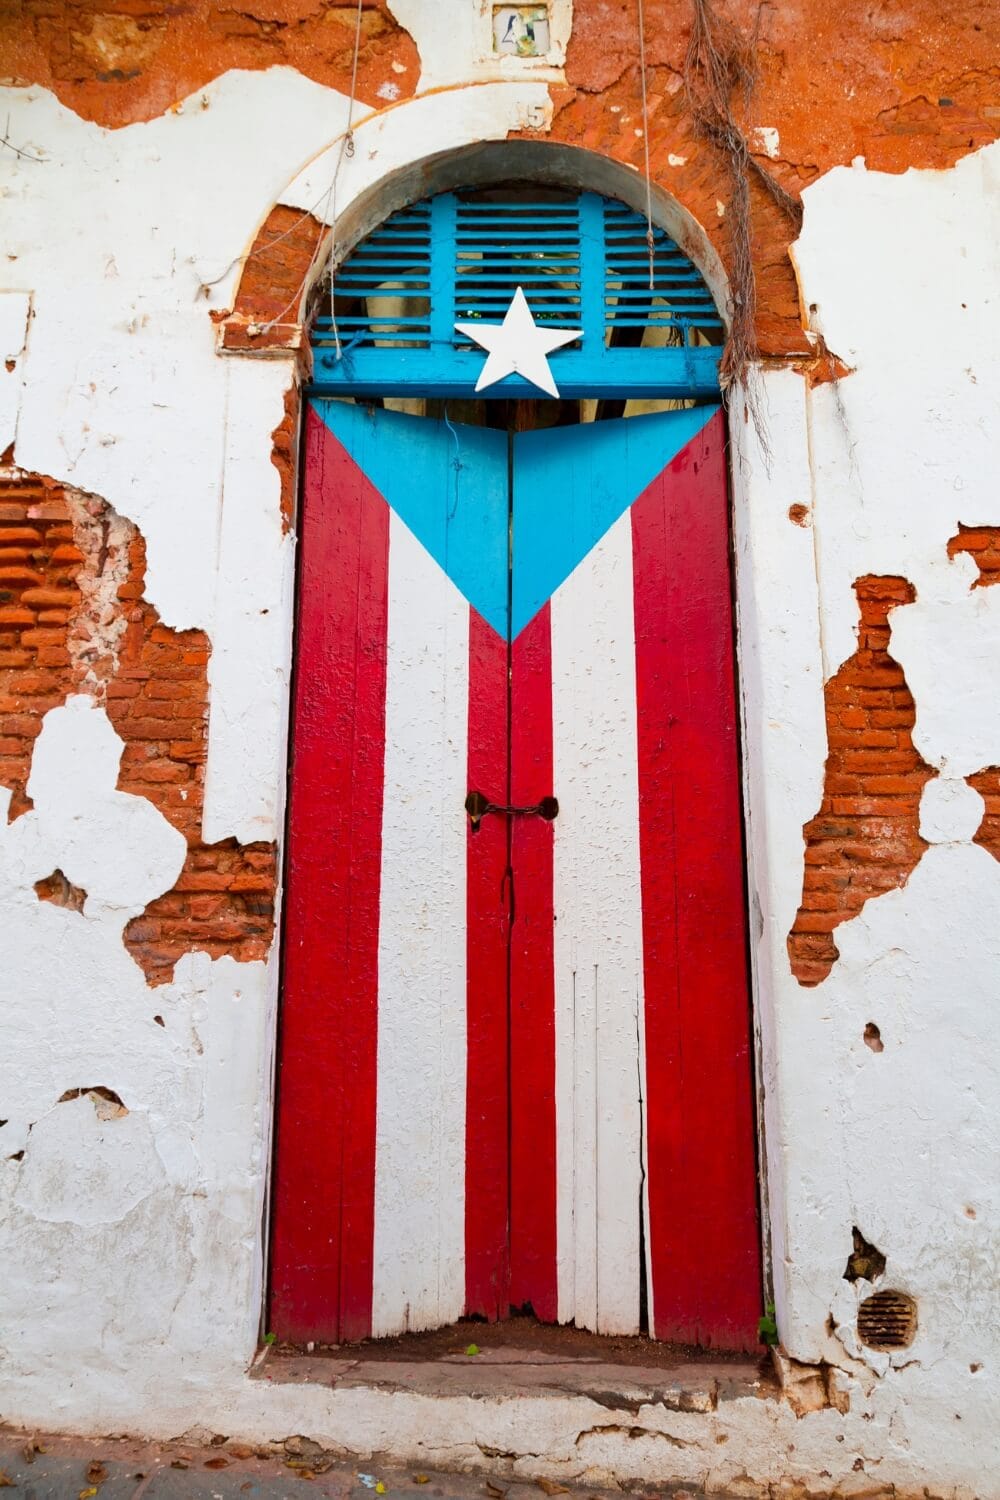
(591, 275)
(442, 303)
(499, 295)
(469, 260)
(672, 373)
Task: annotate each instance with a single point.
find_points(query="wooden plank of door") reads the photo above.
(533, 1280)
(321, 1268)
(371, 1176)
(702, 1184)
(598, 945)
(419, 1271)
(487, 1261)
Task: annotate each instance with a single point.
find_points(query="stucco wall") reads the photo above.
(133, 1241)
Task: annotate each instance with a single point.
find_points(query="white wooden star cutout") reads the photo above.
(518, 346)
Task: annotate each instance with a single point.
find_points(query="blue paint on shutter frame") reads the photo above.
(582, 261)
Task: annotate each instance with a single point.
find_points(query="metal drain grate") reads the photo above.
(887, 1320)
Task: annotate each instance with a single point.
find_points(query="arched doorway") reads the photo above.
(515, 1055)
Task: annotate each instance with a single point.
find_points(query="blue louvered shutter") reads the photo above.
(583, 262)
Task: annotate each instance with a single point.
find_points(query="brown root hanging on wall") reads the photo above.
(720, 76)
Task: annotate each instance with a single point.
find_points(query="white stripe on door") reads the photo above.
(598, 941)
(419, 1271)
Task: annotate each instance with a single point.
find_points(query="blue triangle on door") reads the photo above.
(571, 484)
(448, 483)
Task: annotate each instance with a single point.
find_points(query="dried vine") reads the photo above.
(720, 75)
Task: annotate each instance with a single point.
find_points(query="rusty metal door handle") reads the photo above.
(477, 806)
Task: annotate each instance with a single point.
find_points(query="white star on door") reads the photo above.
(518, 346)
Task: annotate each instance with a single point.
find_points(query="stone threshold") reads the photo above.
(672, 1383)
(575, 1413)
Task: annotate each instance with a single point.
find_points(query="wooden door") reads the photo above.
(515, 1062)
(621, 582)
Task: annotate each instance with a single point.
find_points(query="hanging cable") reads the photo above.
(329, 199)
(346, 149)
(645, 146)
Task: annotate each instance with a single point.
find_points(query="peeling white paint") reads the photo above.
(117, 847)
(139, 1238)
(124, 394)
(904, 1142)
(15, 310)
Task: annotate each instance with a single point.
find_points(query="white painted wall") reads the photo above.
(906, 1143)
(132, 1245)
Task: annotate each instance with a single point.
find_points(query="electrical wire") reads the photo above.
(329, 201)
(645, 146)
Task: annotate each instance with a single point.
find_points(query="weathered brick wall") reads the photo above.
(865, 839)
(922, 95)
(62, 632)
(982, 543)
(913, 90)
(39, 561)
(115, 61)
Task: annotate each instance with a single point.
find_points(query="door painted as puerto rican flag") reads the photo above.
(515, 1064)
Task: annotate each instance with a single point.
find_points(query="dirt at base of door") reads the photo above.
(523, 1334)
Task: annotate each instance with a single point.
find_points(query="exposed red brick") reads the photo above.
(30, 683)
(916, 88)
(983, 545)
(284, 452)
(118, 61)
(272, 278)
(823, 368)
(154, 685)
(987, 784)
(909, 104)
(236, 917)
(865, 839)
(60, 891)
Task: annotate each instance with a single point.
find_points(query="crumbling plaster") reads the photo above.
(137, 1240)
(887, 462)
(119, 1234)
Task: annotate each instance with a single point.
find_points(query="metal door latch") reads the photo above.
(477, 806)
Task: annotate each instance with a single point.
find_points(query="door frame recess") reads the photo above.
(666, 374)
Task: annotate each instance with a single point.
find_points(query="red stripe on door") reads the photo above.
(486, 1124)
(703, 1242)
(324, 1192)
(532, 1006)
